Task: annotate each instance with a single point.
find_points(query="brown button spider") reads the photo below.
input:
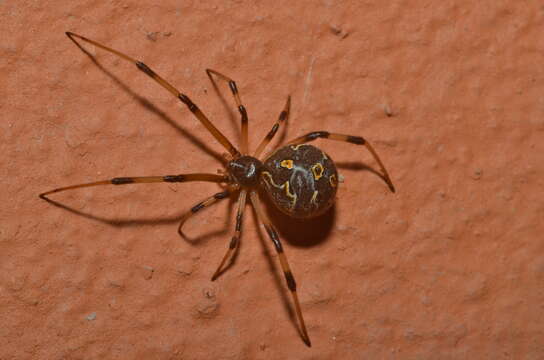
(300, 179)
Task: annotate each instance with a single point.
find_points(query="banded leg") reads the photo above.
(201, 205)
(291, 284)
(143, 179)
(357, 140)
(237, 232)
(243, 113)
(165, 84)
(283, 116)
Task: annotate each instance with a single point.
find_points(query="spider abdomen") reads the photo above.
(301, 180)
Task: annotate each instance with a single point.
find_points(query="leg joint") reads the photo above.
(185, 99)
(233, 242)
(233, 87)
(238, 222)
(221, 195)
(122, 180)
(356, 140)
(143, 67)
(291, 284)
(275, 239)
(174, 178)
(317, 134)
(197, 207)
(283, 115)
(273, 131)
(242, 111)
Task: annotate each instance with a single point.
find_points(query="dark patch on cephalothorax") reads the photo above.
(297, 179)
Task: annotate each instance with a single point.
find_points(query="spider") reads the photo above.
(300, 179)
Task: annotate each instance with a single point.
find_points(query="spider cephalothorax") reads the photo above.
(245, 171)
(300, 179)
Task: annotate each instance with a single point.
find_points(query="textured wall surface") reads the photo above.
(450, 93)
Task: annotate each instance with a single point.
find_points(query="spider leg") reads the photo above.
(283, 116)
(236, 238)
(241, 108)
(165, 84)
(357, 140)
(201, 205)
(289, 278)
(143, 179)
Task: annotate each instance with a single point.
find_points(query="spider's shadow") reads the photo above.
(301, 232)
(148, 105)
(357, 165)
(310, 232)
(127, 222)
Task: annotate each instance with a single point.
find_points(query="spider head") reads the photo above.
(245, 171)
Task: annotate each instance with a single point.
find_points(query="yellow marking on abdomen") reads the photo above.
(317, 174)
(333, 181)
(314, 197)
(287, 164)
(290, 195)
(295, 147)
(285, 186)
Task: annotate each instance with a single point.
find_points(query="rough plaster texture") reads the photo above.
(449, 92)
